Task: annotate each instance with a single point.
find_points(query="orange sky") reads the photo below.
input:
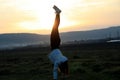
(37, 16)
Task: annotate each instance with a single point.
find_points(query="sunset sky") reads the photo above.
(37, 16)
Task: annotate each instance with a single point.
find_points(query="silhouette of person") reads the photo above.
(59, 61)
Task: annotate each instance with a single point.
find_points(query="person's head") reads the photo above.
(64, 73)
(63, 68)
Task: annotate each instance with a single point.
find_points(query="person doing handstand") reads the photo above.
(56, 57)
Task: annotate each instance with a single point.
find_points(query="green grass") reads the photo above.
(86, 62)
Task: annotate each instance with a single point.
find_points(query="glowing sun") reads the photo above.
(41, 10)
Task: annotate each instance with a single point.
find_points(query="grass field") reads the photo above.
(100, 61)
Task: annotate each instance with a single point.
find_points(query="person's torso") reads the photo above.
(56, 56)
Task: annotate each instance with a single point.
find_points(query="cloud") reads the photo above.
(93, 12)
(10, 16)
(74, 12)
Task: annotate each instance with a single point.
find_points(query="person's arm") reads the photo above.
(55, 71)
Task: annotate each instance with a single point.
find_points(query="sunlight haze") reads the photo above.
(37, 16)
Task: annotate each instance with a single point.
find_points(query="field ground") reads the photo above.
(86, 62)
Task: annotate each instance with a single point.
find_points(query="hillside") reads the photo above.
(111, 32)
(24, 39)
(21, 39)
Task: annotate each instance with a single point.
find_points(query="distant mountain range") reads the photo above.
(24, 39)
(110, 32)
